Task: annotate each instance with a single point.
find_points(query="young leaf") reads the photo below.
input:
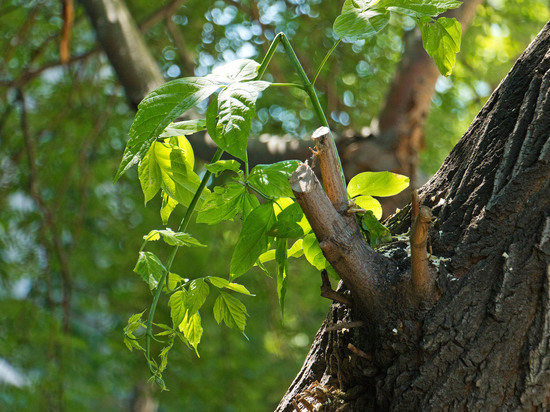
(282, 272)
(178, 308)
(377, 184)
(192, 329)
(441, 39)
(222, 204)
(184, 128)
(272, 180)
(224, 283)
(420, 8)
(231, 310)
(168, 206)
(196, 295)
(223, 165)
(313, 252)
(253, 239)
(377, 233)
(369, 203)
(150, 176)
(179, 238)
(360, 19)
(229, 119)
(235, 71)
(150, 268)
(157, 110)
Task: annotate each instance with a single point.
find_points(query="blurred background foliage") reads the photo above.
(69, 237)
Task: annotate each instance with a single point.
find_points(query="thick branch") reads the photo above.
(330, 169)
(339, 237)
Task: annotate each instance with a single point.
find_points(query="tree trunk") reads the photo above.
(484, 342)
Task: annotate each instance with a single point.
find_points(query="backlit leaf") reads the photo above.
(231, 310)
(150, 268)
(377, 184)
(360, 19)
(235, 71)
(369, 203)
(441, 39)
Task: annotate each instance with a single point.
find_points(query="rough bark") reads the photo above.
(484, 345)
(120, 38)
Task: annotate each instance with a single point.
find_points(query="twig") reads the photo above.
(358, 351)
(421, 219)
(344, 325)
(330, 168)
(329, 293)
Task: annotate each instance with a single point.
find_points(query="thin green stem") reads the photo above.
(310, 90)
(299, 86)
(324, 61)
(269, 55)
(183, 226)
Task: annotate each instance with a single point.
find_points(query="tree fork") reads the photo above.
(359, 266)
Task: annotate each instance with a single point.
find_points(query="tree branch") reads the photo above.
(421, 218)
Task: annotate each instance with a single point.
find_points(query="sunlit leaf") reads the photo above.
(441, 39)
(290, 223)
(230, 115)
(184, 128)
(157, 110)
(419, 8)
(223, 165)
(150, 268)
(235, 71)
(224, 283)
(377, 184)
(282, 272)
(192, 329)
(369, 203)
(231, 310)
(360, 19)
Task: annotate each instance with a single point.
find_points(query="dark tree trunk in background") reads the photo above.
(484, 344)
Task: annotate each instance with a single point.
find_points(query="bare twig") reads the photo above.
(344, 325)
(420, 275)
(330, 168)
(329, 293)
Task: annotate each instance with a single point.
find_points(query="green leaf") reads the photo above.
(441, 39)
(231, 310)
(224, 283)
(360, 19)
(192, 330)
(313, 252)
(173, 238)
(291, 223)
(235, 71)
(296, 250)
(282, 272)
(272, 180)
(150, 176)
(196, 295)
(253, 239)
(150, 268)
(377, 184)
(135, 318)
(184, 128)
(223, 204)
(168, 206)
(177, 305)
(377, 233)
(230, 115)
(369, 203)
(157, 110)
(420, 8)
(223, 165)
